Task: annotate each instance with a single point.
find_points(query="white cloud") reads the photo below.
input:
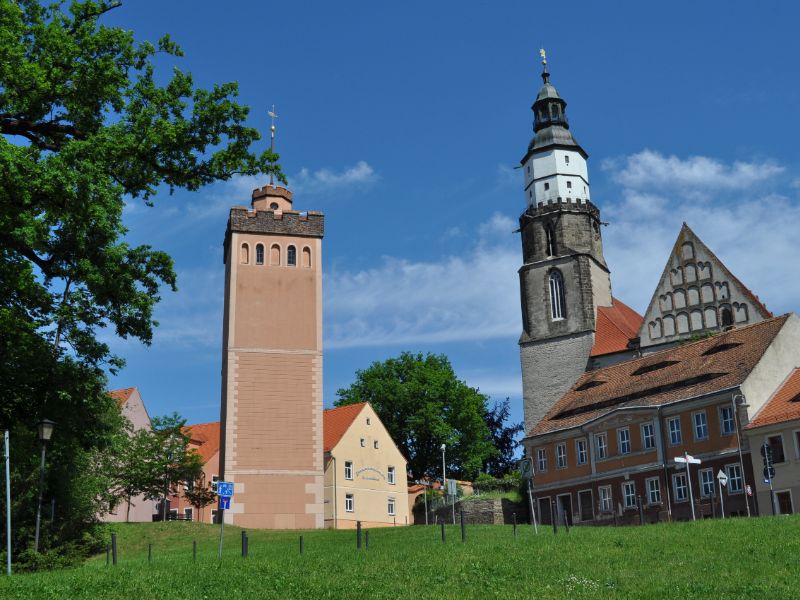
(752, 233)
(455, 298)
(649, 169)
(308, 182)
(497, 384)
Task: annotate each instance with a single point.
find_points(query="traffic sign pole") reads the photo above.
(689, 459)
(225, 492)
(722, 479)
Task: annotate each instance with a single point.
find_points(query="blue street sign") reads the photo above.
(224, 502)
(225, 488)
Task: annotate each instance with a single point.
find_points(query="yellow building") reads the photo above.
(365, 473)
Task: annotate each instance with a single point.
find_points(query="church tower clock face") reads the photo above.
(564, 277)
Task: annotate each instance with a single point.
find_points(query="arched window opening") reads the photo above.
(551, 240)
(291, 256)
(557, 304)
(260, 254)
(244, 254)
(275, 255)
(307, 257)
(726, 317)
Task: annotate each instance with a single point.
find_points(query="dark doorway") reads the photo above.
(545, 515)
(784, 502)
(564, 508)
(585, 503)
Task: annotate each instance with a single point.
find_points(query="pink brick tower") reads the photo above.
(271, 445)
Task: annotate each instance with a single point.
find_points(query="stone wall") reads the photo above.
(498, 511)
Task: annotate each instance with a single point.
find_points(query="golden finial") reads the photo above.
(543, 54)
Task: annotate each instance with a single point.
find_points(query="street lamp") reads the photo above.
(45, 432)
(444, 475)
(739, 400)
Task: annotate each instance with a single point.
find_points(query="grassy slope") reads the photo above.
(735, 558)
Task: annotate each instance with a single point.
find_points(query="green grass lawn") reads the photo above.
(735, 558)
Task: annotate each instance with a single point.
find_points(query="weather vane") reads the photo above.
(543, 54)
(272, 115)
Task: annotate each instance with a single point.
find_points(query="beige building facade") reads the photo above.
(138, 509)
(365, 473)
(271, 414)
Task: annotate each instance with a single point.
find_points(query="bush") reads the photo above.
(485, 483)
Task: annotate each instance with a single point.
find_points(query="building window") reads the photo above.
(561, 456)
(188, 485)
(680, 487)
(569, 185)
(581, 451)
(566, 159)
(349, 503)
(734, 473)
(188, 514)
(675, 438)
(214, 480)
(551, 240)
(726, 317)
(629, 494)
(624, 439)
(391, 507)
(375, 444)
(214, 517)
(363, 442)
(368, 421)
(700, 425)
(557, 304)
(541, 459)
(601, 442)
(275, 255)
(546, 186)
(259, 254)
(776, 443)
(653, 490)
(648, 436)
(307, 257)
(605, 498)
(291, 256)
(706, 477)
(726, 420)
(390, 475)
(244, 254)
(273, 206)
(348, 469)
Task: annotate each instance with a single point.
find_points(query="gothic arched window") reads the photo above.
(260, 254)
(726, 316)
(291, 256)
(557, 304)
(551, 239)
(244, 254)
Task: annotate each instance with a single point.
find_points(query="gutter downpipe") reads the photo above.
(739, 444)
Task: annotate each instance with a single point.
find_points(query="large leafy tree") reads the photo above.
(86, 122)
(504, 439)
(423, 404)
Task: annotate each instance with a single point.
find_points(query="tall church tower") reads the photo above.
(272, 364)
(564, 277)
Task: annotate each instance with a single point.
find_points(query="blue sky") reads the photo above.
(403, 124)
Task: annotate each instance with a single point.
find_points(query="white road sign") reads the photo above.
(722, 478)
(688, 458)
(525, 467)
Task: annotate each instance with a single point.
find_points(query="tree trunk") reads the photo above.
(128, 511)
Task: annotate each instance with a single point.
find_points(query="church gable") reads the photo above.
(697, 294)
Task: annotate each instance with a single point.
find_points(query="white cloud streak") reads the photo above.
(323, 180)
(455, 298)
(649, 169)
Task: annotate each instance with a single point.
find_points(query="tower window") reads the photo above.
(529, 168)
(307, 257)
(557, 304)
(274, 206)
(546, 186)
(244, 254)
(566, 160)
(569, 185)
(551, 240)
(260, 254)
(275, 255)
(291, 256)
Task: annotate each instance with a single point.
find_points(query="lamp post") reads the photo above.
(739, 400)
(444, 474)
(45, 431)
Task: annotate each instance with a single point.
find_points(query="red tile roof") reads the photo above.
(122, 396)
(716, 363)
(783, 406)
(336, 421)
(206, 436)
(616, 325)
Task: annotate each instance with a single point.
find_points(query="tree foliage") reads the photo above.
(424, 405)
(504, 439)
(86, 122)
